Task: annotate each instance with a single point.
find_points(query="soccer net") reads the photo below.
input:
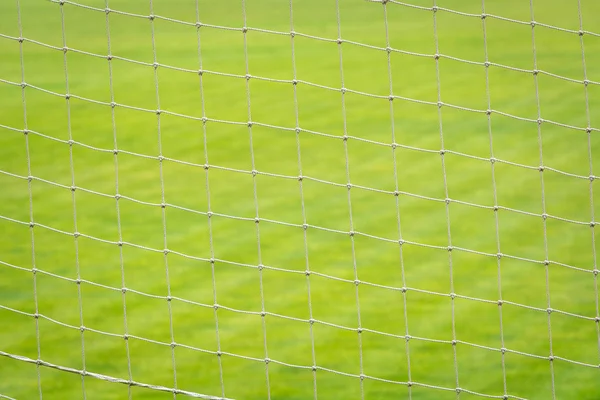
(299, 199)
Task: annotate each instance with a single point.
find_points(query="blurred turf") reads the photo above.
(139, 218)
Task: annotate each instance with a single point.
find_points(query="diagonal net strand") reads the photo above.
(209, 212)
(162, 193)
(397, 201)
(30, 198)
(129, 383)
(591, 185)
(445, 182)
(267, 360)
(208, 397)
(303, 207)
(543, 202)
(73, 198)
(117, 198)
(495, 199)
(350, 211)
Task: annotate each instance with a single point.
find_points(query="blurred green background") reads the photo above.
(332, 255)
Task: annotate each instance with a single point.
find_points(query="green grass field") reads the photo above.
(271, 146)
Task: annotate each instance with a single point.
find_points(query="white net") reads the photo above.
(299, 199)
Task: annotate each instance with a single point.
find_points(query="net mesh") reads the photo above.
(449, 278)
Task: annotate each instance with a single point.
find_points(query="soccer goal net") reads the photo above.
(299, 199)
